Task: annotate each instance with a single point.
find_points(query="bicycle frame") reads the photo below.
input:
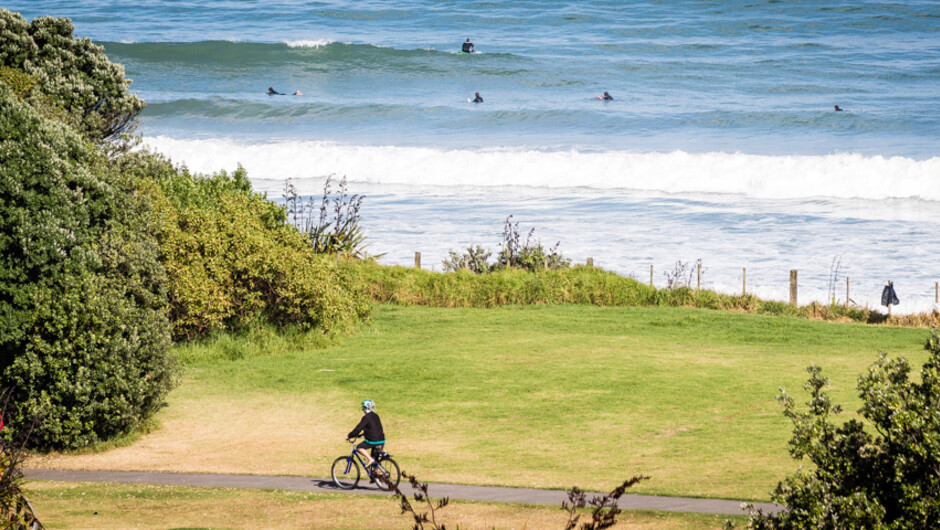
(358, 456)
(362, 462)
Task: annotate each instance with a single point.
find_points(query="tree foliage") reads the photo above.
(886, 479)
(83, 331)
(71, 78)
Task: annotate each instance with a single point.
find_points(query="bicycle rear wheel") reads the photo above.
(389, 469)
(345, 472)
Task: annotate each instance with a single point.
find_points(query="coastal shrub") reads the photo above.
(21, 82)
(73, 75)
(332, 226)
(529, 255)
(475, 259)
(84, 335)
(232, 259)
(860, 479)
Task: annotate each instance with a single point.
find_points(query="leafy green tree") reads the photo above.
(69, 78)
(84, 335)
(887, 479)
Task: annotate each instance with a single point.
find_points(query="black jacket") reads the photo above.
(370, 426)
(888, 296)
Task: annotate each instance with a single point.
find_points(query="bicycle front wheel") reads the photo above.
(388, 468)
(345, 472)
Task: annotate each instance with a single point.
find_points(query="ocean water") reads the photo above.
(721, 143)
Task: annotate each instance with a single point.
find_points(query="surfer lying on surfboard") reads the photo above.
(605, 97)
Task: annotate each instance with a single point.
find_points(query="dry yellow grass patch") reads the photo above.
(138, 506)
(253, 434)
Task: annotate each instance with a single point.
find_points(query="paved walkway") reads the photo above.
(454, 491)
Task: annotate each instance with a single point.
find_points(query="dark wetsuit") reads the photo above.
(370, 426)
(468, 47)
(478, 99)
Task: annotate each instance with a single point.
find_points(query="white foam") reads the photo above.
(308, 43)
(842, 176)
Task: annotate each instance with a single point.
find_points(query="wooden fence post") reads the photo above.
(846, 291)
(793, 287)
(651, 275)
(590, 262)
(698, 276)
(743, 281)
(417, 260)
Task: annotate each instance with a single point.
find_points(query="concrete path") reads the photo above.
(454, 491)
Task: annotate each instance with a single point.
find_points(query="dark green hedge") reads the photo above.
(84, 335)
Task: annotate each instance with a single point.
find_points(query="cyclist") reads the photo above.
(370, 426)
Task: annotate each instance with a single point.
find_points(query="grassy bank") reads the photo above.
(580, 285)
(538, 396)
(149, 506)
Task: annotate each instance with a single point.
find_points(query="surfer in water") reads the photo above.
(478, 98)
(272, 92)
(468, 47)
(838, 109)
(606, 97)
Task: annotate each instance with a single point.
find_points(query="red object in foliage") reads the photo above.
(1, 422)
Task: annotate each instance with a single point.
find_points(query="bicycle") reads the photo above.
(345, 470)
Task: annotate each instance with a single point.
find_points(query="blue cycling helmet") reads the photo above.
(368, 405)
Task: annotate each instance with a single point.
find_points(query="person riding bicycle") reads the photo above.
(370, 426)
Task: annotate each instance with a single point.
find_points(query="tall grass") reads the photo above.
(579, 285)
(259, 339)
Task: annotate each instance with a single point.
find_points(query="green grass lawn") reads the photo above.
(555, 396)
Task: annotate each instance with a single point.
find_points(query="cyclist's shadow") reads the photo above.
(330, 485)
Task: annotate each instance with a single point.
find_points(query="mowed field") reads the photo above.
(145, 506)
(537, 396)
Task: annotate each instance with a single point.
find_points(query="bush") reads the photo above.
(529, 255)
(232, 259)
(475, 260)
(21, 83)
(83, 334)
(334, 229)
(71, 74)
(888, 479)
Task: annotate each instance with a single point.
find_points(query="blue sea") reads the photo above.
(722, 142)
